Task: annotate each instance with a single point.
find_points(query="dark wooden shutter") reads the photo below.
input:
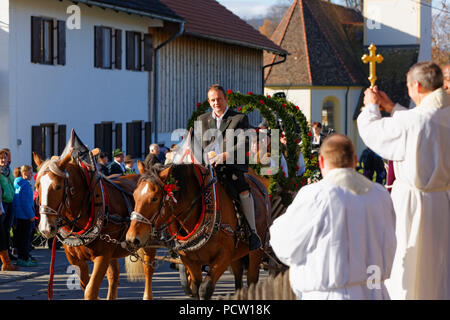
(130, 50)
(98, 55)
(118, 50)
(148, 52)
(134, 139)
(36, 39)
(119, 135)
(99, 137)
(130, 139)
(36, 144)
(103, 137)
(62, 128)
(147, 139)
(61, 42)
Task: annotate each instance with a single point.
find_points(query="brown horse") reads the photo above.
(79, 205)
(156, 211)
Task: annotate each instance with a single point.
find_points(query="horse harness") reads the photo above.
(208, 224)
(98, 218)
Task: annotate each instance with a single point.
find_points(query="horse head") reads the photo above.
(58, 185)
(164, 196)
(149, 212)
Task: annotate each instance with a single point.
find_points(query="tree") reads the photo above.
(440, 37)
(356, 4)
(267, 28)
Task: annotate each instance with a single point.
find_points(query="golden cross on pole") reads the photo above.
(372, 60)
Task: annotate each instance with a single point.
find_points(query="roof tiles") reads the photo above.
(321, 54)
(209, 19)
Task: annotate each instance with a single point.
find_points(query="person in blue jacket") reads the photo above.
(23, 208)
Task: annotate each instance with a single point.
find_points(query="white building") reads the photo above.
(91, 74)
(50, 74)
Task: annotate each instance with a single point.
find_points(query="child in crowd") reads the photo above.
(23, 206)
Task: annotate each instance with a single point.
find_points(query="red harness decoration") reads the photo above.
(92, 214)
(199, 222)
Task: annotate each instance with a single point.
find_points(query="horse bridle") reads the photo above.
(154, 232)
(61, 220)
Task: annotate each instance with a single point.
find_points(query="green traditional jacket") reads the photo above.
(8, 188)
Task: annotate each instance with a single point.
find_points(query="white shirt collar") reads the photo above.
(215, 117)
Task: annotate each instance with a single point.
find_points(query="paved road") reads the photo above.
(31, 283)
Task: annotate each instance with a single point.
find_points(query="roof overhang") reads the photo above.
(238, 43)
(128, 10)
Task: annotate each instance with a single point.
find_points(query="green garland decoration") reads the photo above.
(290, 115)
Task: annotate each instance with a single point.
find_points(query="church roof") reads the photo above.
(209, 19)
(315, 33)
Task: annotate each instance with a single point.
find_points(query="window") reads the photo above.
(139, 51)
(108, 48)
(328, 121)
(108, 136)
(47, 140)
(48, 41)
(331, 115)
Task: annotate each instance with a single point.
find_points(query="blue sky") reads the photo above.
(248, 8)
(252, 8)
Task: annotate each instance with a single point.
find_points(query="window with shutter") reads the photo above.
(134, 49)
(108, 48)
(46, 46)
(43, 139)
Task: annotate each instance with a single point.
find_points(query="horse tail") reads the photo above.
(134, 267)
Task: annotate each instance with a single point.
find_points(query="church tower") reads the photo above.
(399, 23)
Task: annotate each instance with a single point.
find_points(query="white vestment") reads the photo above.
(418, 142)
(338, 237)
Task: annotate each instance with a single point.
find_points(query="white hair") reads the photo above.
(153, 146)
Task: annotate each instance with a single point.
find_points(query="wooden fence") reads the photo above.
(273, 288)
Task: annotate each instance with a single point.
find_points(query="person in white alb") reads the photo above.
(418, 142)
(338, 235)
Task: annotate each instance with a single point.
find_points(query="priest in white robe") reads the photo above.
(418, 142)
(338, 235)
